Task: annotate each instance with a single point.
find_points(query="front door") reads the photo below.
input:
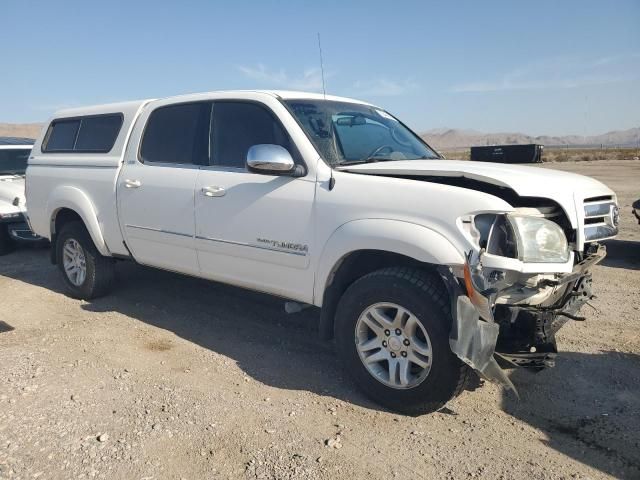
(253, 230)
(156, 187)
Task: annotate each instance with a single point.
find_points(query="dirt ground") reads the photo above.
(172, 377)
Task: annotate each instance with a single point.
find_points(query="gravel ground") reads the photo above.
(173, 377)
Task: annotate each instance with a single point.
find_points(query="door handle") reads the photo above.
(213, 191)
(132, 183)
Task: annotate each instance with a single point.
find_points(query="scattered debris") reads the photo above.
(334, 442)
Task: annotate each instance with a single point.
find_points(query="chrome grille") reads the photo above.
(601, 217)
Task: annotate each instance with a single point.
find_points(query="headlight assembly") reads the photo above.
(539, 240)
(528, 238)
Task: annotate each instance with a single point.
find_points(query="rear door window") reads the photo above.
(177, 134)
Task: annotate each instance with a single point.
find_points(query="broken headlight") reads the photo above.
(528, 238)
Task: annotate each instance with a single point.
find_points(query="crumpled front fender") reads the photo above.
(473, 339)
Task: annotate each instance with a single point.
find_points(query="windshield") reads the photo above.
(13, 160)
(346, 133)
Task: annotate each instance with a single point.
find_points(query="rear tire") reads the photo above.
(86, 273)
(7, 244)
(414, 370)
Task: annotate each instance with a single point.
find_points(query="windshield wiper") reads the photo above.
(366, 160)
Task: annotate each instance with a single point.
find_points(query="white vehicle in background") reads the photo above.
(423, 268)
(14, 153)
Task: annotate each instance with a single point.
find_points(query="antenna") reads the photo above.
(332, 180)
(324, 91)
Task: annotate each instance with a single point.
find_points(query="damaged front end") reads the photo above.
(509, 300)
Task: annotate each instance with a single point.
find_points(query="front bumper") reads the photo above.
(516, 335)
(19, 229)
(20, 232)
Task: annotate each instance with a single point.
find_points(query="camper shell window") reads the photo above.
(90, 134)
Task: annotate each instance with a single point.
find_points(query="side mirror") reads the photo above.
(270, 159)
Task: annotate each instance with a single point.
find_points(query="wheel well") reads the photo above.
(58, 220)
(352, 267)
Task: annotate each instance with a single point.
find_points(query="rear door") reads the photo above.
(156, 185)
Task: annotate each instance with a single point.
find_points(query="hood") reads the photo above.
(567, 189)
(12, 186)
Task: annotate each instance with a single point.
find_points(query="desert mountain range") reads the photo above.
(25, 130)
(451, 138)
(441, 138)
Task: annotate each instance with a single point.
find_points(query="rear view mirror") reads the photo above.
(350, 121)
(270, 159)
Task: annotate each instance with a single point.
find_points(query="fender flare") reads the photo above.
(409, 239)
(75, 199)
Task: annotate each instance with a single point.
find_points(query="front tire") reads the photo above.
(392, 334)
(86, 273)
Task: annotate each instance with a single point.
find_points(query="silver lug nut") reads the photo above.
(404, 354)
(398, 331)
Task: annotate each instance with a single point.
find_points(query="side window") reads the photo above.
(95, 133)
(177, 134)
(61, 135)
(98, 134)
(14, 160)
(237, 126)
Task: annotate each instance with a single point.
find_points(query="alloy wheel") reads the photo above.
(393, 345)
(73, 261)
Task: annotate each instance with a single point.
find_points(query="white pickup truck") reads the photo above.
(423, 268)
(14, 153)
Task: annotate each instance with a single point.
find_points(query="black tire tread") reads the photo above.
(431, 285)
(100, 276)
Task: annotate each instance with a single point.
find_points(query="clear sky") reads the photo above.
(537, 67)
